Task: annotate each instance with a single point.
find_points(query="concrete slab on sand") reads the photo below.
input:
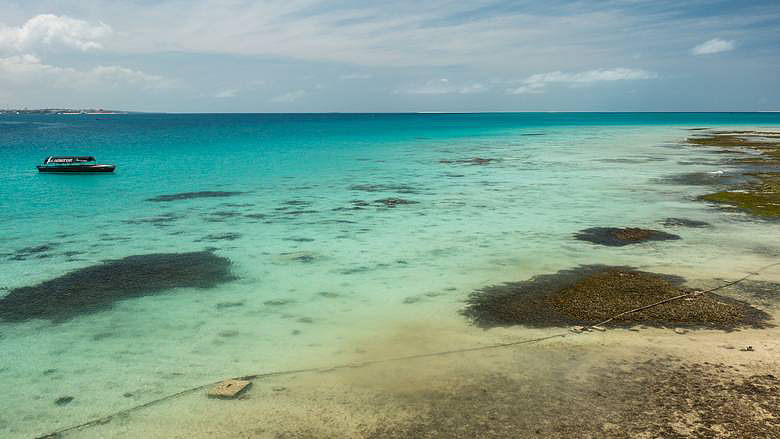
(228, 389)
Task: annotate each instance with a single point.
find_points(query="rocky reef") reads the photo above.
(190, 195)
(761, 162)
(618, 237)
(589, 294)
(97, 287)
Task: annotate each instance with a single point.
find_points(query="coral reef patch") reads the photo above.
(618, 237)
(97, 287)
(759, 195)
(472, 161)
(393, 202)
(398, 188)
(684, 222)
(38, 251)
(228, 236)
(191, 195)
(589, 294)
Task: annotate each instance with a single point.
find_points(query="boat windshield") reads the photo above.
(68, 160)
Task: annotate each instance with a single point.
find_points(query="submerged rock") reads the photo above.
(162, 220)
(38, 251)
(684, 222)
(399, 188)
(618, 237)
(229, 236)
(393, 202)
(97, 287)
(587, 295)
(713, 178)
(471, 161)
(220, 216)
(223, 305)
(300, 256)
(64, 400)
(190, 195)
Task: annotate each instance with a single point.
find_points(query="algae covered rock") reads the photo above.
(618, 237)
(97, 287)
(760, 196)
(590, 294)
(760, 199)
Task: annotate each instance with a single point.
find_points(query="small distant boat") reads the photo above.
(73, 164)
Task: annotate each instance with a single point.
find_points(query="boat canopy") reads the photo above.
(68, 159)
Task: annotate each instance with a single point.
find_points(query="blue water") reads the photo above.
(318, 260)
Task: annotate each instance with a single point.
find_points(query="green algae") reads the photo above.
(762, 197)
(768, 150)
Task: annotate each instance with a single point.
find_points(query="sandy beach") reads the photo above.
(620, 383)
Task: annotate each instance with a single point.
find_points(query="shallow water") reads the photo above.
(296, 205)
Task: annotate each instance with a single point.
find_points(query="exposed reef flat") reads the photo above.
(618, 237)
(761, 195)
(190, 195)
(589, 294)
(97, 287)
(759, 199)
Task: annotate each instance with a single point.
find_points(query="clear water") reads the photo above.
(312, 271)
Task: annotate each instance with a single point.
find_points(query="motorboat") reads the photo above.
(73, 164)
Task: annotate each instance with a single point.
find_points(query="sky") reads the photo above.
(380, 56)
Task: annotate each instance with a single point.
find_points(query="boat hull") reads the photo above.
(76, 169)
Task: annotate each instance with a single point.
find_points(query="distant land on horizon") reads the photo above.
(93, 111)
(61, 111)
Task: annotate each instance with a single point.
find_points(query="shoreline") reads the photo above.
(535, 389)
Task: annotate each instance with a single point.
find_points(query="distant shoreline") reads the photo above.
(76, 112)
(68, 111)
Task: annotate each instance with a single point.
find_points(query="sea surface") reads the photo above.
(336, 226)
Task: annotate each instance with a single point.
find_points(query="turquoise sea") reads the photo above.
(336, 227)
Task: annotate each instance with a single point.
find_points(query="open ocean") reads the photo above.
(334, 226)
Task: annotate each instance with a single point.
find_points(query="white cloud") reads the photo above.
(52, 30)
(28, 69)
(289, 97)
(538, 83)
(229, 93)
(408, 33)
(715, 45)
(443, 86)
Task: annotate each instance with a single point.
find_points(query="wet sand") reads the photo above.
(639, 382)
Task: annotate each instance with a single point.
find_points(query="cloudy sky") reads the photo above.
(364, 55)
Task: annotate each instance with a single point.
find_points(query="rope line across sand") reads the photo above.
(106, 419)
